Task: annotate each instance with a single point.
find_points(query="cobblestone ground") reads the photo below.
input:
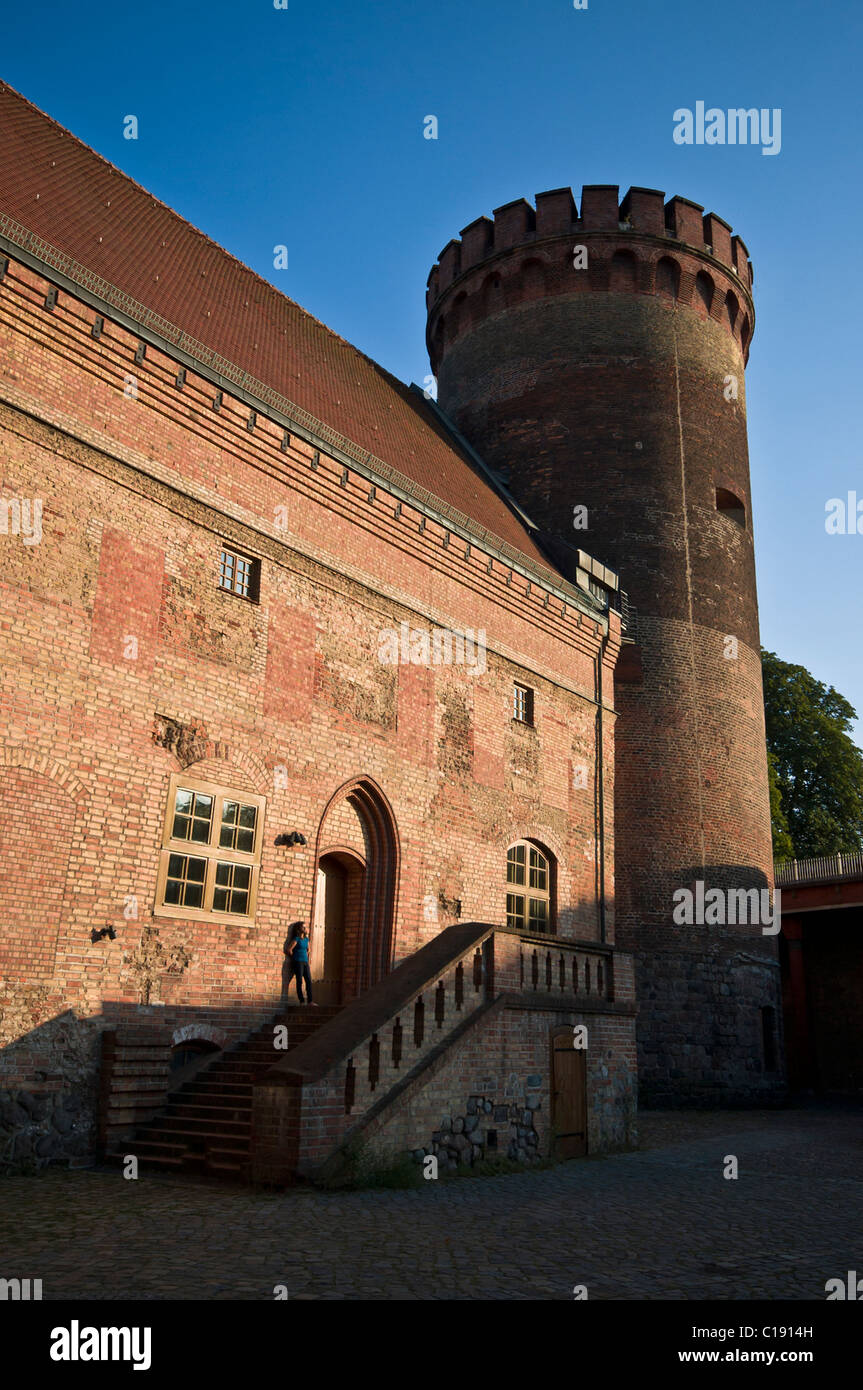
(660, 1223)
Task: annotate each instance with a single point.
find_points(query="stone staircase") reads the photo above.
(207, 1122)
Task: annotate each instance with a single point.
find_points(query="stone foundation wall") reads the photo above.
(498, 1080)
(700, 1040)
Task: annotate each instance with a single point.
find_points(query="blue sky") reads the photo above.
(304, 126)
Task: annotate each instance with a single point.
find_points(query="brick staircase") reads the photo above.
(206, 1125)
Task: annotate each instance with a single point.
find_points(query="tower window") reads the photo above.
(522, 704)
(529, 887)
(239, 574)
(731, 506)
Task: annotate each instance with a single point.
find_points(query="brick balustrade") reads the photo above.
(313, 1100)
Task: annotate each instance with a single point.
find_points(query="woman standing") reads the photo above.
(299, 956)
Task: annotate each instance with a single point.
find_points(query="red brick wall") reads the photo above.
(115, 619)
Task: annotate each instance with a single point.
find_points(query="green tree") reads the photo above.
(816, 792)
(783, 847)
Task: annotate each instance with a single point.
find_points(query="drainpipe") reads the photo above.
(601, 784)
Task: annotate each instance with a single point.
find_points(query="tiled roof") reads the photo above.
(66, 193)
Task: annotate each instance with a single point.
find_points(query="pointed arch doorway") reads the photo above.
(356, 878)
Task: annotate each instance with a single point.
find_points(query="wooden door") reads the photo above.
(328, 939)
(568, 1096)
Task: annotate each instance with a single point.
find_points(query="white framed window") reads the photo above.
(211, 852)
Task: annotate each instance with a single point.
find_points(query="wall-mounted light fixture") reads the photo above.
(100, 935)
(292, 837)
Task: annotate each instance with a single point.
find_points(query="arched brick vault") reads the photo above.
(205, 750)
(45, 867)
(52, 768)
(369, 942)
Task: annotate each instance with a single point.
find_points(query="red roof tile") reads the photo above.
(84, 206)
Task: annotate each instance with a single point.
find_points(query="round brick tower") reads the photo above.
(597, 362)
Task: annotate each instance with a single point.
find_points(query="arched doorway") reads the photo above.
(356, 874)
(339, 893)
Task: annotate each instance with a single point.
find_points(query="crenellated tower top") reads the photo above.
(642, 244)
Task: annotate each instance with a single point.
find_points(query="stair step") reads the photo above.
(170, 1134)
(192, 1088)
(203, 1124)
(143, 1148)
(229, 1111)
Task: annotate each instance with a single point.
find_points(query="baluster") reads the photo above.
(440, 1004)
(397, 1043)
(350, 1086)
(419, 1022)
(459, 985)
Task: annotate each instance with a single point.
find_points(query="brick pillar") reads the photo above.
(798, 1041)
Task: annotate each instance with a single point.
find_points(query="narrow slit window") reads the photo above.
(522, 704)
(731, 506)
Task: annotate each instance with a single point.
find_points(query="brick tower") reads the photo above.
(597, 362)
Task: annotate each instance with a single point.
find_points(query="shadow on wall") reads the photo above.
(54, 1100)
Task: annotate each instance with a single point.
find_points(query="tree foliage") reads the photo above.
(816, 769)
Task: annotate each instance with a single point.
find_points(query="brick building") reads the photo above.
(279, 645)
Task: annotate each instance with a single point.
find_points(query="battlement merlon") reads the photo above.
(642, 212)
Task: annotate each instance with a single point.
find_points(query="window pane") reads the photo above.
(235, 820)
(232, 894)
(515, 864)
(538, 914)
(227, 837)
(226, 570)
(193, 813)
(538, 870)
(184, 885)
(514, 910)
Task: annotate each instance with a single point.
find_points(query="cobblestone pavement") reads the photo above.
(660, 1223)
